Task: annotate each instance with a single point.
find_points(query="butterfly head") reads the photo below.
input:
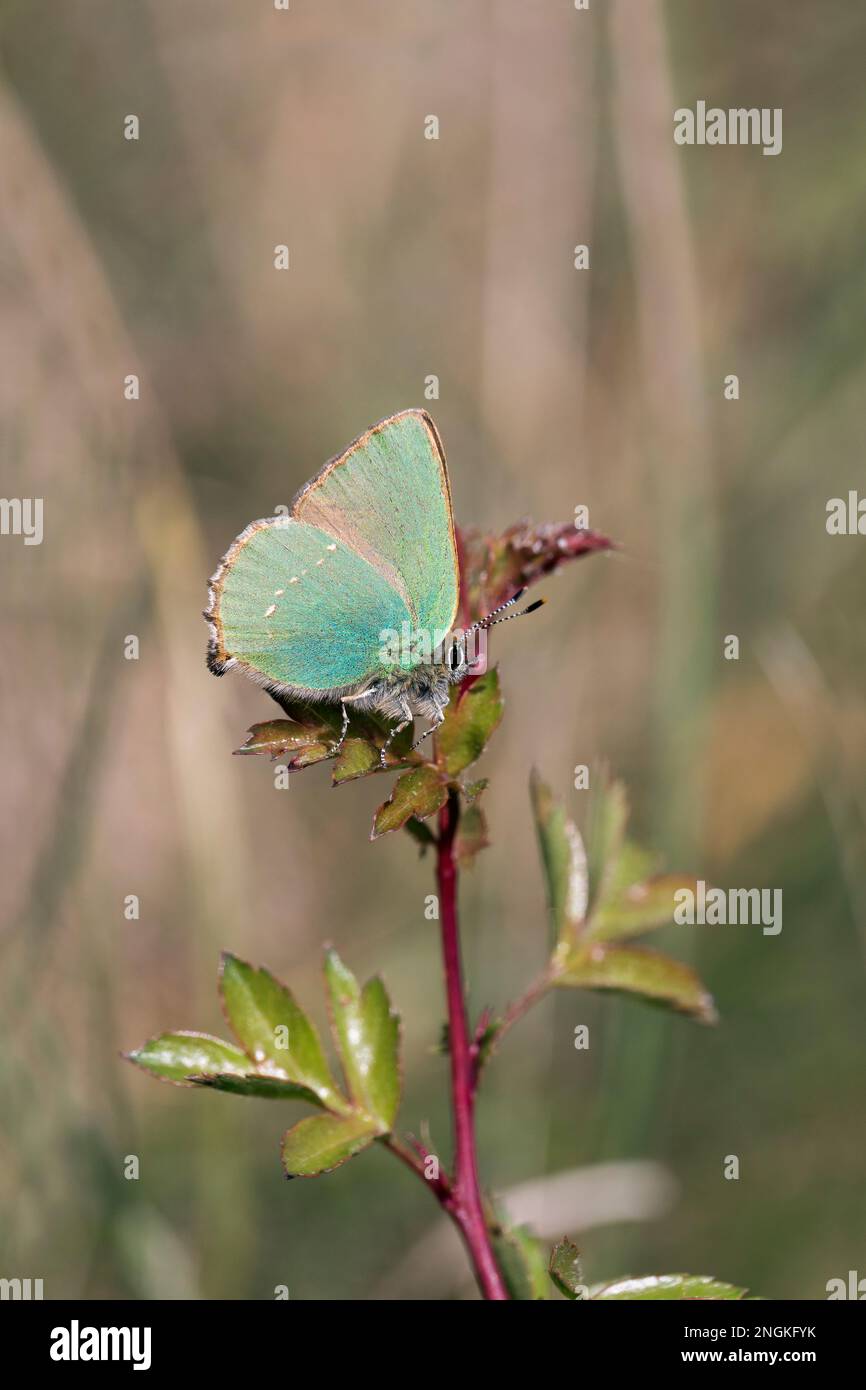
(467, 650)
(456, 661)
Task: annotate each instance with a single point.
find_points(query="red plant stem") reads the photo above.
(441, 1185)
(521, 1006)
(463, 1202)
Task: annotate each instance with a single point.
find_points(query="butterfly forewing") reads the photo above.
(388, 497)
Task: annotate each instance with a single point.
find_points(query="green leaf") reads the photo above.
(312, 733)
(357, 759)
(421, 833)
(473, 790)
(282, 736)
(253, 1084)
(635, 970)
(564, 861)
(257, 1005)
(667, 1286)
(471, 835)
(605, 837)
(639, 908)
(521, 1262)
(321, 1143)
(564, 1269)
(320, 720)
(361, 755)
(367, 1034)
(418, 793)
(473, 714)
(634, 865)
(181, 1056)
(274, 737)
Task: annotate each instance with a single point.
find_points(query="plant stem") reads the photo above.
(440, 1185)
(521, 1006)
(464, 1202)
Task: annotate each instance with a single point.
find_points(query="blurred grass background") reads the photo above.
(558, 387)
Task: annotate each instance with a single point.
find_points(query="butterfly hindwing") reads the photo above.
(296, 607)
(389, 499)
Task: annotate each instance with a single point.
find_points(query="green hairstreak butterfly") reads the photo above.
(309, 604)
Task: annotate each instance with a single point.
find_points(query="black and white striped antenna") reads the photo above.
(491, 620)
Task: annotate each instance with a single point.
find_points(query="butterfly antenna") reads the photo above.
(491, 620)
(482, 622)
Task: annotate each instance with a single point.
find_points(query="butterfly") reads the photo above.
(351, 597)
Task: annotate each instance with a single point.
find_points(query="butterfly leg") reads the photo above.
(362, 694)
(440, 719)
(342, 738)
(395, 731)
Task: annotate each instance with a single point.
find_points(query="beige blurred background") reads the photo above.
(604, 387)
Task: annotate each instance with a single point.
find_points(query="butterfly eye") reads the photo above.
(455, 656)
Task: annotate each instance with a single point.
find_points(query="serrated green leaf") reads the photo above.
(275, 1032)
(608, 813)
(564, 1269)
(253, 1084)
(367, 1034)
(320, 1143)
(279, 737)
(311, 734)
(667, 1286)
(564, 861)
(639, 908)
(356, 759)
(180, 1056)
(419, 793)
(361, 754)
(471, 835)
(473, 715)
(521, 1262)
(635, 970)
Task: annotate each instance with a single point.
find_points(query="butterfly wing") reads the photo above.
(299, 608)
(388, 499)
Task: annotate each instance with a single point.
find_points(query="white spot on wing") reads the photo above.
(269, 611)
